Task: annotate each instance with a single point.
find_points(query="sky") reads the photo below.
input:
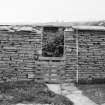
(35, 11)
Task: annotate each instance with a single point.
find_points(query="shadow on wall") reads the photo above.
(91, 80)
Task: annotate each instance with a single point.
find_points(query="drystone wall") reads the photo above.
(19, 51)
(91, 54)
(21, 56)
(70, 55)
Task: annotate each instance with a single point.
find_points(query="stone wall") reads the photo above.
(18, 53)
(21, 55)
(53, 69)
(91, 54)
(85, 54)
(70, 54)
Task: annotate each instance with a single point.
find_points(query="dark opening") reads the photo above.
(50, 29)
(53, 42)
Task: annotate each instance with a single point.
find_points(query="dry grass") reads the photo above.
(96, 92)
(29, 91)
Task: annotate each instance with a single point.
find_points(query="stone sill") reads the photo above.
(52, 58)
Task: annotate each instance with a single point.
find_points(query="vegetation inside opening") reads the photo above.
(53, 42)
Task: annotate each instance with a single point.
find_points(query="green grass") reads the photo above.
(29, 92)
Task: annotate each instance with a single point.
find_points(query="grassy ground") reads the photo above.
(29, 92)
(96, 92)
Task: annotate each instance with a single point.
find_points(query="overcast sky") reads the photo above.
(32, 11)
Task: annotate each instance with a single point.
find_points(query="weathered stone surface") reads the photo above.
(21, 54)
(17, 51)
(91, 55)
